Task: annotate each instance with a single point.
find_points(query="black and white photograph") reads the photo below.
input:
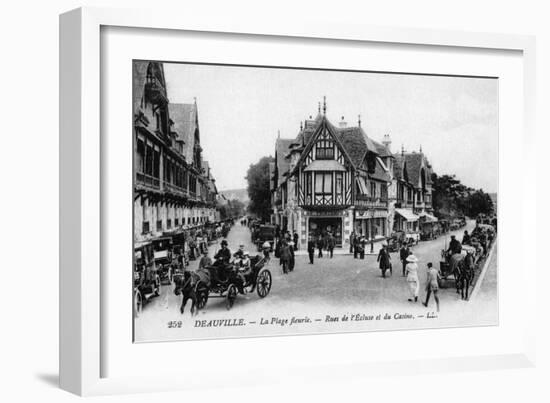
(273, 201)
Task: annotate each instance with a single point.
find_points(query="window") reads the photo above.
(176, 222)
(140, 158)
(308, 185)
(145, 227)
(373, 190)
(324, 150)
(323, 183)
(159, 225)
(169, 223)
(339, 183)
(148, 159)
(383, 192)
(156, 162)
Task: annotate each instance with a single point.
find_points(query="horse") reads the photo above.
(464, 274)
(185, 285)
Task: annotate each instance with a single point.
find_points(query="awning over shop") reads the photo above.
(362, 185)
(325, 165)
(407, 214)
(428, 217)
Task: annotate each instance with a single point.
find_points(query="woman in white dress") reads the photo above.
(411, 271)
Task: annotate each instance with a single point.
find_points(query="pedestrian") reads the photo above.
(285, 256)
(295, 240)
(384, 260)
(320, 246)
(352, 244)
(412, 277)
(292, 256)
(330, 244)
(432, 285)
(404, 253)
(362, 244)
(311, 249)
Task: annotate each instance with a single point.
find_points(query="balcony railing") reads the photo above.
(147, 180)
(174, 189)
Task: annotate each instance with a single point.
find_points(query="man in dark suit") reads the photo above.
(330, 244)
(311, 249)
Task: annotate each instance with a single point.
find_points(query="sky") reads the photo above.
(243, 109)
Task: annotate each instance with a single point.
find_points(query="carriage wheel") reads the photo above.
(231, 296)
(138, 303)
(201, 290)
(263, 283)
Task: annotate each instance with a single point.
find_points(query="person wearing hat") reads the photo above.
(384, 260)
(432, 285)
(412, 276)
(224, 254)
(454, 246)
(244, 269)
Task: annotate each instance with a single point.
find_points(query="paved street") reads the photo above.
(330, 286)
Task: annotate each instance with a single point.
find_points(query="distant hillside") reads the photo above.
(239, 194)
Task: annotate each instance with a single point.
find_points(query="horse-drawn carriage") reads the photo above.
(146, 277)
(399, 238)
(461, 267)
(224, 280)
(162, 253)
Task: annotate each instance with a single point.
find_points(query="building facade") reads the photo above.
(337, 179)
(173, 187)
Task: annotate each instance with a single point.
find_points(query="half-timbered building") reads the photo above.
(331, 179)
(335, 178)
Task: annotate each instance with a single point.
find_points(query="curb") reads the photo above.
(482, 274)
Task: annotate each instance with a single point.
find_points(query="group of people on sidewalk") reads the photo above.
(410, 270)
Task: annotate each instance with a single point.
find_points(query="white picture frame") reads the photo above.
(82, 340)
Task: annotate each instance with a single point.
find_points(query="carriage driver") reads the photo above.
(224, 254)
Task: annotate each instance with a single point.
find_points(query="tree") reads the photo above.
(258, 188)
(479, 202)
(451, 198)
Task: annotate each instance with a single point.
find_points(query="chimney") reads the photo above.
(387, 141)
(343, 124)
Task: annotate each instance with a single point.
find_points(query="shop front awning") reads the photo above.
(407, 214)
(325, 165)
(428, 217)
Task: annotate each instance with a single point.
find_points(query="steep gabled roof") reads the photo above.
(139, 73)
(281, 149)
(414, 164)
(356, 143)
(380, 173)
